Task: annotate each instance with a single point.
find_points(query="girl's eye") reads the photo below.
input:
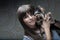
(31, 14)
(25, 16)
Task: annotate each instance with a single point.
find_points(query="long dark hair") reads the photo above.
(21, 13)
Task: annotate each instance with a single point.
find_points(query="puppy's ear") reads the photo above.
(41, 8)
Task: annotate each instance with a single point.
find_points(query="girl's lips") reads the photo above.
(31, 21)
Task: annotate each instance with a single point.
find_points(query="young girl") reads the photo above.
(31, 29)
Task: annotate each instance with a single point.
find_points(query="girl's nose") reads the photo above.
(30, 16)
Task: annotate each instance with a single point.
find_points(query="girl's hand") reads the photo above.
(46, 25)
(47, 20)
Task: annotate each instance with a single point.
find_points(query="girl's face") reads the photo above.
(29, 20)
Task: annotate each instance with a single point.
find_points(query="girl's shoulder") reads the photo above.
(27, 38)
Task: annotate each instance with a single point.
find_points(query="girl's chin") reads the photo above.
(32, 26)
(32, 23)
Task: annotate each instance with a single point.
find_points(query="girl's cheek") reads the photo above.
(26, 19)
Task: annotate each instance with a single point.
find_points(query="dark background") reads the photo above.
(10, 28)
